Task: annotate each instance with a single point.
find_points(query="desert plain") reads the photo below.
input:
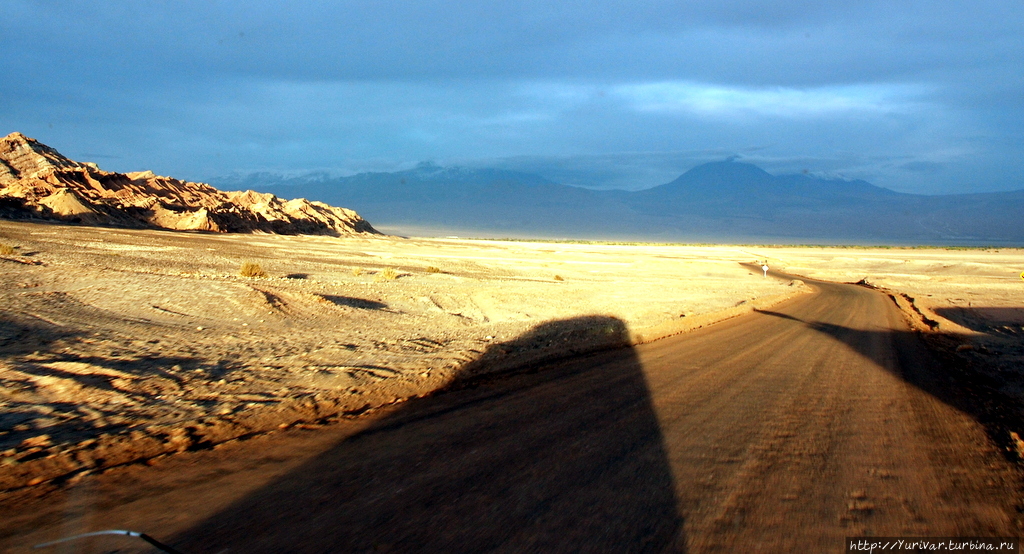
(122, 347)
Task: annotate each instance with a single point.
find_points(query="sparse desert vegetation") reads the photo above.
(251, 269)
(387, 274)
(6, 249)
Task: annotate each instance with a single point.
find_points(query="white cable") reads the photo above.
(121, 532)
(94, 533)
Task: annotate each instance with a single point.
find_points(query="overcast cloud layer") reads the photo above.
(921, 97)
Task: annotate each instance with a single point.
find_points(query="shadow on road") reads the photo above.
(568, 459)
(970, 384)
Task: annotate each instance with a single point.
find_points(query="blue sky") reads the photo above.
(924, 97)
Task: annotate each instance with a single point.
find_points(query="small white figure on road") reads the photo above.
(764, 268)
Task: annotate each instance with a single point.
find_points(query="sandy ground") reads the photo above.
(119, 346)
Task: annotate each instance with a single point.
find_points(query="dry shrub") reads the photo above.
(251, 269)
(6, 250)
(387, 274)
(559, 278)
(357, 271)
(432, 269)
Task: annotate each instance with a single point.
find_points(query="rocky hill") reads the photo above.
(37, 182)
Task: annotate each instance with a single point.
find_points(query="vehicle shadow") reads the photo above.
(972, 384)
(564, 456)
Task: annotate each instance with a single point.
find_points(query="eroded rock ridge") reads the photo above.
(36, 181)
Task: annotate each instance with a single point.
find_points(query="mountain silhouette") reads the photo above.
(723, 201)
(456, 198)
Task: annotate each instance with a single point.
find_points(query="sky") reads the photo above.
(921, 97)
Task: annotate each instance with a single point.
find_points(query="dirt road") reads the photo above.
(781, 431)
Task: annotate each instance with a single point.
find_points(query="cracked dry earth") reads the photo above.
(121, 346)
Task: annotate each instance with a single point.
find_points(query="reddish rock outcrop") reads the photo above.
(36, 181)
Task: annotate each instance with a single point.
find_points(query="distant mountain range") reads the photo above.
(719, 201)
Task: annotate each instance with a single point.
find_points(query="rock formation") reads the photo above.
(38, 182)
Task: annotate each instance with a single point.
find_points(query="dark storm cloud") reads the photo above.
(868, 90)
(754, 43)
